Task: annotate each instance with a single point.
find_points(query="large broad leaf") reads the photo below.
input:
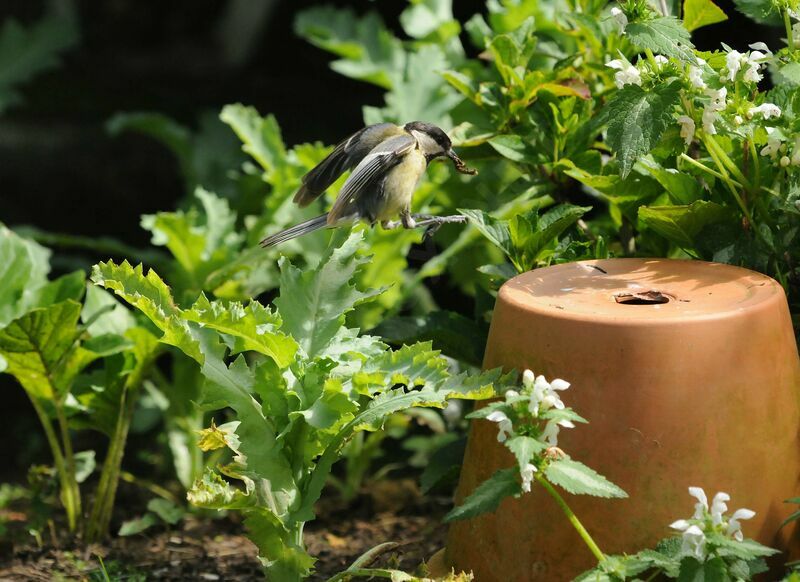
(26, 52)
(412, 365)
(488, 495)
(762, 11)
(313, 302)
(682, 224)
(579, 479)
(697, 13)
(252, 326)
(150, 295)
(23, 272)
(637, 119)
(665, 35)
(41, 350)
(370, 52)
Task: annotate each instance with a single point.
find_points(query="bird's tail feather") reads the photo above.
(295, 231)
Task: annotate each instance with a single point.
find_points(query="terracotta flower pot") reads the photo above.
(695, 384)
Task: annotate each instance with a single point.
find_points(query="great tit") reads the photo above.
(389, 161)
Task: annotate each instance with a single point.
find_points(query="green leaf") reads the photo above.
(524, 449)
(697, 13)
(638, 118)
(789, 74)
(114, 317)
(284, 558)
(261, 136)
(150, 295)
(85, 465)
(665, 35)
(24, 265)
(488, 495)
(682, 188)
(578, 479)
(411, 365)
(166, 510)
(683, 224)
(26, 52)
(370, 52)
(494, 229)
(172, 134)
(425, 17)
(253, 327)
(762, 11)
(41, 351)
(138, 525)
(313, 302)
(513, 147)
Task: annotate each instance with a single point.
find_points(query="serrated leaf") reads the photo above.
(487, 496)
(697, 13)
(789, 74)
(313, 302)
(370, 52)
(638, 118)
(578, 479)
(253, 327)
(524, 449)
(411, 365)
(665, 35)
(24, 265)
(261, 136)
(150, 295)
(494, 229)
(683, 224)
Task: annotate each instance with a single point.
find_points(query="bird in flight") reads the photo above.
(388, 161)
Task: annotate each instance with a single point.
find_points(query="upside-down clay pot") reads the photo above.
(688, 374)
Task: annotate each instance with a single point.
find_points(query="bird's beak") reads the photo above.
(459, 163)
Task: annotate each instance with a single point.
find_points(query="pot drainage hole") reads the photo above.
(642, 298)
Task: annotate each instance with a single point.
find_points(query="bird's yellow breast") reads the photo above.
(400, 184)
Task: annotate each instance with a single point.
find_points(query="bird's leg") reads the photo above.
(433, 223)
(407, 219)
(391, 224)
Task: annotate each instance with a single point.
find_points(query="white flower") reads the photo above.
(733, 61)
(774, 143)
(627, 74)
(511, 394)
(718, 507)
(701, 506)
(552, 428)
(696, 75)
(694, 543)
(796, 152)
(784, 161)
(504, 427)
(738, 120)
(619, 16)
(661, 60)
(544, 396)
(766, 109)
(734, 528)
(687, 128)
(527, 477)
(527, 378)
(713, 107)
(761, 46)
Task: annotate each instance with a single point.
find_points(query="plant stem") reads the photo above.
(72, 491)
(788, 24)
(58, 460)
(711, 144)
(573, 519)
(708, 170)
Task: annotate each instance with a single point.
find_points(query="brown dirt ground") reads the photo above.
(216, 549)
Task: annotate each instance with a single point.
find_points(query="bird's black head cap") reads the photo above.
(436, 133)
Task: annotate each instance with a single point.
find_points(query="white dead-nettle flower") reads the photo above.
(527, 378)
(693, 539)
(552, 428)
(527, 477)
(738, 120)
(784, 161)
(733, 61)
(504, 427)
(734, 528)
(754, 61)
(619, 16)
(711, 110)
(696, 75)
(766, 109)
(687, 128)
(660, 60)
(545, 395)
(774, 143)
(626, 73)
(761, 46)
(796, 152)
(511, 394)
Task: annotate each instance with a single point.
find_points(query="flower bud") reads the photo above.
(785, 161)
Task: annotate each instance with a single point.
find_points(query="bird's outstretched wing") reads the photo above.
(368, 173)
(345, 156)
